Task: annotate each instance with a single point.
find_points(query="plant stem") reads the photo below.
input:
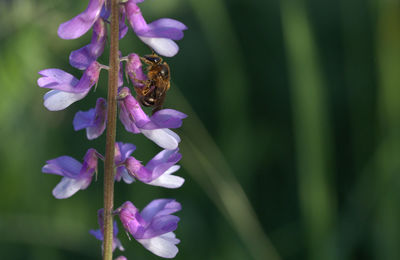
(111, 129)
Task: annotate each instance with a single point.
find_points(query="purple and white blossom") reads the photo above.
(66, 89)
(156, 127)
(153, 227)
(160, 34)
(76, 176)
(93, 120)
(99, 233)
(158, 171)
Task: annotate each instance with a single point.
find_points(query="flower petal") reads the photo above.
(163, 246)
(56, 100)
(164, 28)
(160, 207)
(53, 77)
(68, 187)
(83, 119)
(161, 225)
(93, 120)
(163, 46)
(167, 180)
(81, 23)
(168, 23)
(63, 166)
(165, 118)
(164, 137)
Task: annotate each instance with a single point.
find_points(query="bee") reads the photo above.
(157, 83)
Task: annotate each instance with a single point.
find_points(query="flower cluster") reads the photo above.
(153, 226)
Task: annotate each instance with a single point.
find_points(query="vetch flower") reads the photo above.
(160, 34)
(66, 89)
(158, 171)
(84, 56)
(156, 127)
(99, 233)
(153, 227)
(81, 23)
(121, 257)
(122, 152)
(93, 120)
(76, 176)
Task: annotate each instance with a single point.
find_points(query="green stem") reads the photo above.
(111, 129)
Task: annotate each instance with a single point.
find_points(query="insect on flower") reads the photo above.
(157, 83)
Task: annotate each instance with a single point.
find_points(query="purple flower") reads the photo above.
(156, 127)
(99, 233)
(93, 120)
(76, 176)
(154, 226)
(66, 89)
(160, 34)
(81, 23)
(83, 57)
(121, 257)
(122, 152)
(158, 171)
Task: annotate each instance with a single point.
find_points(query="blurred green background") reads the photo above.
(291, 149)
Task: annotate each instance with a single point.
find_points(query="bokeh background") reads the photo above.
(291, 149)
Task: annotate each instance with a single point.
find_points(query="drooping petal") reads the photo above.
(56, 100)
(83, 119)
(164, 28)
(160, 207)
(167, 180)
(161, 225)
(164, 137)
(163, 246)
(93, 120)
(63, 166)
(165, 118)
(55, 77)
(163, 46)
(83, 57)
(168, 23)
(97, 234)
(68, 187)
(81, 23)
